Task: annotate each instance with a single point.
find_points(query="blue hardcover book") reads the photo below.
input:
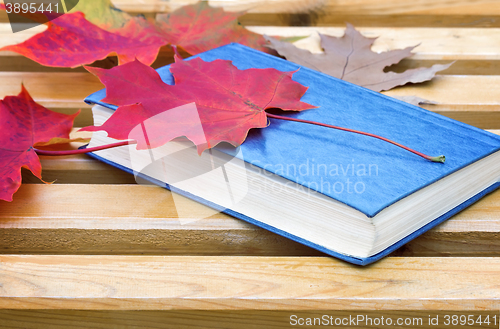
(348, 195)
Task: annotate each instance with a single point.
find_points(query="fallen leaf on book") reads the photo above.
(229, 102)
(71, 41)
(199, 27)
(25, 125)
(350, 58)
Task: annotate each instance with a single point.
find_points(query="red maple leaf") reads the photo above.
(71, 40)
(26, 124)
(199, 27)
(229, 101)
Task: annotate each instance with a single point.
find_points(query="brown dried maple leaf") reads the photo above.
(350, 58)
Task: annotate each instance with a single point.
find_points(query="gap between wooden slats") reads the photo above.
(228, 319)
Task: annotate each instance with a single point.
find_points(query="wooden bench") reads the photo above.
(96, 250)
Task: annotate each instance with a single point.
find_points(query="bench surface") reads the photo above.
(82, 251)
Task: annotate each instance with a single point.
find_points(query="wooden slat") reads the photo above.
(482, 60)
(108, 219)
(116, 224)
(472, 99)
(55, 90)
(59, 90)
(380, 7)
(10, 38)
(389, 13)
(455, 90)
(420, 7)
(323, 13)
(250, 283)
(103, 260)
(77, 169)
(435, 43)
(366, 7)
(323, 17)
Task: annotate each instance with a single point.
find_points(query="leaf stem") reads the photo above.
(176, 51)
(86, 150)
(440, 158)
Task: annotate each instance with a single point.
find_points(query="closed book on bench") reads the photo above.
(348, 195)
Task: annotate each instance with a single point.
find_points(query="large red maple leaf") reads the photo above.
(229, 101)
(199, 27)
(26, 124)
(71, 40)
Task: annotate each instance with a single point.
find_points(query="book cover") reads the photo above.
(366, 174)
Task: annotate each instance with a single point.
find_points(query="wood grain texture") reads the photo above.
(253, 6)
(83, 253)
(107, 219)
(322, 17)
(371, 7)
(476, 95)
(421, 7)
(449, 90)
(435, 43)
(246, 283)
(366, 7)
(192, 319)
(55, 90)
